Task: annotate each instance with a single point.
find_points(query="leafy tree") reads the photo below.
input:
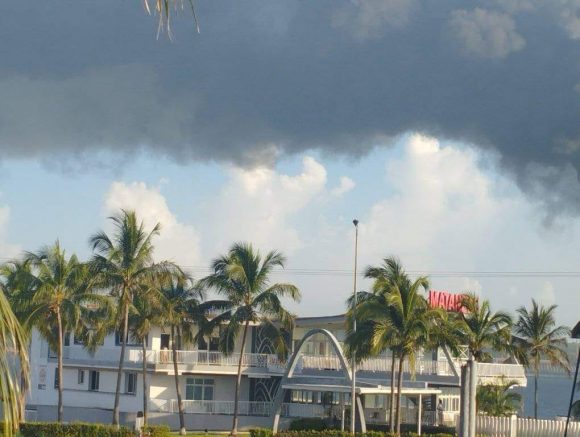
(243, 278)
(498, 400)
(537, 337)
(62, 301)
(13, 346)
(123, 264)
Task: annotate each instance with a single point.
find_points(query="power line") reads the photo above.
(431, 273)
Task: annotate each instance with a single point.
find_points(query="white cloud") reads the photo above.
(258, 205)
(446, 213)
(367, 19)
(177, 241)
(547, 295)
(485, 34)
(346, 184)
(6, 249)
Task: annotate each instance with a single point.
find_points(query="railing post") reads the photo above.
(513, 425)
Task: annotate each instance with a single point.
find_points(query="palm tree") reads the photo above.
(410, 318)
(537, 336)
(124, 264)
(498, 400)
(61, 301)
(182, 308)
(243, 277)
(482, 329)
(17, 283)
(13, 344)
(145, 313)
(372, 308)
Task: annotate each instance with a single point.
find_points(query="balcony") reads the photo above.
(488, 373)
(379, 364)
(245, 408)
(161, 360)
(215, 362)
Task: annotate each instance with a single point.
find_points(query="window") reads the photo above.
(198, 389)
(303, 396)
(81, 376)
(56, 380)
(119, 342)
(130, 383)
(93, 380)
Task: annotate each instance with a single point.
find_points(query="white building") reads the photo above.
(207, 381)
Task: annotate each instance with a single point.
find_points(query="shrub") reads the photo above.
(156, 431)
(40, 429)
(314, 433)
(308, 424)
(261, 432)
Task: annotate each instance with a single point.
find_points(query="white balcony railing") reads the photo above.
(165, 357)
(379, 364)
(211, 358)
(245, 408)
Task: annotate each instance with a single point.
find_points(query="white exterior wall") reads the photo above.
(105, 360)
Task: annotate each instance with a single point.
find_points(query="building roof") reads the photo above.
(320, 320)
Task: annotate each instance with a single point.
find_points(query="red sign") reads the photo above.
(447, 301)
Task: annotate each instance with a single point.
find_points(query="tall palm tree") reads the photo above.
(498, 399)
(145, 313)
(182, 308)
(537, 336)
(124, 264)
(13, 346)
(61, 302)
(243, 277)
(411, 318)
(371, 309)
(482, 329)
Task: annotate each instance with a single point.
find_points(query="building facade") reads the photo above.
(207, 381)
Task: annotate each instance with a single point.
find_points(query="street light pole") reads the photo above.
(353, 364)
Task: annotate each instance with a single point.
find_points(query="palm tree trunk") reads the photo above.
(177, 389)
(23, 391)
(121, 363)
(392, 400)
(59, 364)
(536, 394)
(145, 391)
(399, 394)
(239, 381)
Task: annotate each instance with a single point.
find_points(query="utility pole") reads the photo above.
(353, 358)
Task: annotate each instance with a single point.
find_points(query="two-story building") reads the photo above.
(207, 381)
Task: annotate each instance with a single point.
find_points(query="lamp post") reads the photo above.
(353, 364)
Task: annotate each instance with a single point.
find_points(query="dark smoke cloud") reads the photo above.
(273, 77)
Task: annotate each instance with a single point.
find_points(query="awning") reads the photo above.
(360, 390)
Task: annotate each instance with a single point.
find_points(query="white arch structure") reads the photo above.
(291, 366)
